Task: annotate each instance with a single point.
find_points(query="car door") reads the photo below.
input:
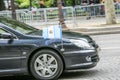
(10, 54)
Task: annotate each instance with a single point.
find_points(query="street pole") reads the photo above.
(13, 10)
(61, 19)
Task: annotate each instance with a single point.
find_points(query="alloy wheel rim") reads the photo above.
(46, 65)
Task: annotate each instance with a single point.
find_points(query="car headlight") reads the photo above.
(82, 44)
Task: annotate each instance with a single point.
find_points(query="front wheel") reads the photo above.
(46, 65)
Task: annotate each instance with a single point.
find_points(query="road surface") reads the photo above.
(107, 69)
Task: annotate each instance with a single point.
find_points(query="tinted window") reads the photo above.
(4, 32)
(18, 26)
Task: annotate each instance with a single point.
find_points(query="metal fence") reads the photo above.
(49, 16)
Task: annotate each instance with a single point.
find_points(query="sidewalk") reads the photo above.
(98, 29)
(94, 26)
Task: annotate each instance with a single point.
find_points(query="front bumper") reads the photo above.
(81, 59)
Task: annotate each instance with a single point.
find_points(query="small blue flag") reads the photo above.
(53, 32)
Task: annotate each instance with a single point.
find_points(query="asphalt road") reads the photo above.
(107, 69)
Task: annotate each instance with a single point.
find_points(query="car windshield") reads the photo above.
(29, 30)
(18, 26)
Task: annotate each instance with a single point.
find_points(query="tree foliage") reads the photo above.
(23, 3)
(35, 3)
(48, 3)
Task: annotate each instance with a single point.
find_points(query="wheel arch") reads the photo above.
(42, 48)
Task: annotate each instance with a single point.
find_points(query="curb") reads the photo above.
(101, 33)
(98, 30)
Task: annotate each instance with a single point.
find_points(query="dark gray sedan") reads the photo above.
(24, 51)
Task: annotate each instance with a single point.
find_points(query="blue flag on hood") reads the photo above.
(53, 32)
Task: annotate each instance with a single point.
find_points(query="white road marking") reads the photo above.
(110, 48)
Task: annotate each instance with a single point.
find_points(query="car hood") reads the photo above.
(68, 34)
(75, 35)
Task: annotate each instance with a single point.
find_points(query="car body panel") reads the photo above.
(15, 54)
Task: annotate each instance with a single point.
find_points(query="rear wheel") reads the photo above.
(46, 65)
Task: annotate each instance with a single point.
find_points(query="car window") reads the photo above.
(2, 31)
(18, 26)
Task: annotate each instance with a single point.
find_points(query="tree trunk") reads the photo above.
(61, 19)
(13, 10)
(2, 5)
(30, 5)
(73, 3)
(110, 12)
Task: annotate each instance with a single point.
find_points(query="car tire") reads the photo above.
(46, 65)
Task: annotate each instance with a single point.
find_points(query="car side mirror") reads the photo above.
(6, 36)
